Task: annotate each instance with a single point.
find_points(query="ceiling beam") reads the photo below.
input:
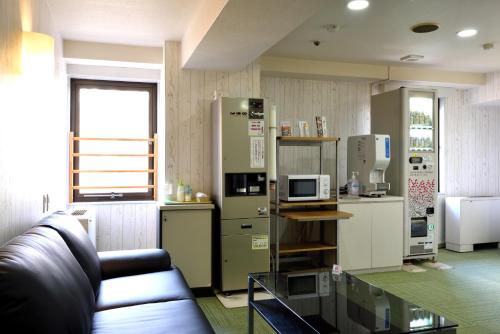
(229, 34)
(315, 69)
(199, 26)
(90, 53)
(437, 77)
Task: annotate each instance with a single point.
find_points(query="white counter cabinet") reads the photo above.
(186, 233)
(372, 240)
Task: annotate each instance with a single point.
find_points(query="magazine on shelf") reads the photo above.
(286, 128)
(321, 126)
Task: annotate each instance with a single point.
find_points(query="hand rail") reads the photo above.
(74, 155)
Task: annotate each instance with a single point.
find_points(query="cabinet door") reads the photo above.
(354, 237)
(187, 236)
(387, 234)
(239, 259)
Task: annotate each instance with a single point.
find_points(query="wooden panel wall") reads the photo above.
(33, 123)
(188, 121)
(488, 92)
(472, 157)
(125, 226)
(346, 106)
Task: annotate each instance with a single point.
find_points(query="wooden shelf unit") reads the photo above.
(291, 248)
(315, 215)
(307, 139)
(299, 204)
(319, 212)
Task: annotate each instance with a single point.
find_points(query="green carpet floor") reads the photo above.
(468, 294)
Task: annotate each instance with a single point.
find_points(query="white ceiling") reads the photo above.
(380, 34)
(133, 22)
(245, 29)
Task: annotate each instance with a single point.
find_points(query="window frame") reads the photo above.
(441, 177)
(152, 88)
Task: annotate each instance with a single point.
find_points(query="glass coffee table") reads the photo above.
(319, 302)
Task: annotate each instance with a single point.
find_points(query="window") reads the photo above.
(113, 124)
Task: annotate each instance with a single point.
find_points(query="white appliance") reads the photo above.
(471, 220)
(87, 218)
(409, 116)
(369, 155)
(313, 187)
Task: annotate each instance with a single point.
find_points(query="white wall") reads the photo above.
(33, 123)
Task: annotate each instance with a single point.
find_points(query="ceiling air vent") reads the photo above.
(411, 58)
(423, 28)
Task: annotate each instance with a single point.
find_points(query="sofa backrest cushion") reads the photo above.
(79, 243)
(43, 289)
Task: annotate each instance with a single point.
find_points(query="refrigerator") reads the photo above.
(410, 117)
(240, 189)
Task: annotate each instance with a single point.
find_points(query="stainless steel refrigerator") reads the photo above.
(410, 117)
(240, 189)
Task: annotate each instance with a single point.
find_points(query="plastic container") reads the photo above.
(180, 192)
(353, 185)
(188, 193)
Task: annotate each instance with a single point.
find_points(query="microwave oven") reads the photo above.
(300, 285)
(304, 187)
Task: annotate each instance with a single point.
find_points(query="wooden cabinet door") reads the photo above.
(387, 234)
(354, 237)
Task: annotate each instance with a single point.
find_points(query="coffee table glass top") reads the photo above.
(328, 303)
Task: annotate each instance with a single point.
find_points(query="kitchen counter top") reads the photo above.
(355, 200)
(185, 206)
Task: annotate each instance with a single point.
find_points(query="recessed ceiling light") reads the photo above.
(358, 4)
(467, 33)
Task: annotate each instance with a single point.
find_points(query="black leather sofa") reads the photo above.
(52, 280)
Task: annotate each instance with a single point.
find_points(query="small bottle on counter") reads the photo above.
(180, 192)
(353, 185)
(188, 193)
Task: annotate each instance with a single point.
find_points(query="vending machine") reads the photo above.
(240, 190)
(410, 117)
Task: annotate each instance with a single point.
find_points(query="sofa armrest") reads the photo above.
(133, 262)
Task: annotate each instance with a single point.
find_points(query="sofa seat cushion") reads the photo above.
(182, 316)
(43, 289)
(144, 288)
(70, 229)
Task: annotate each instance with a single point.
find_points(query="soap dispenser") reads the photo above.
(353, 185)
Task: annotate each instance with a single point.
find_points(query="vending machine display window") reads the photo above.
(421, 123)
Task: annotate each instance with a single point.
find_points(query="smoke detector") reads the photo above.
(331, 27)
(488, 46)
(411, 58)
